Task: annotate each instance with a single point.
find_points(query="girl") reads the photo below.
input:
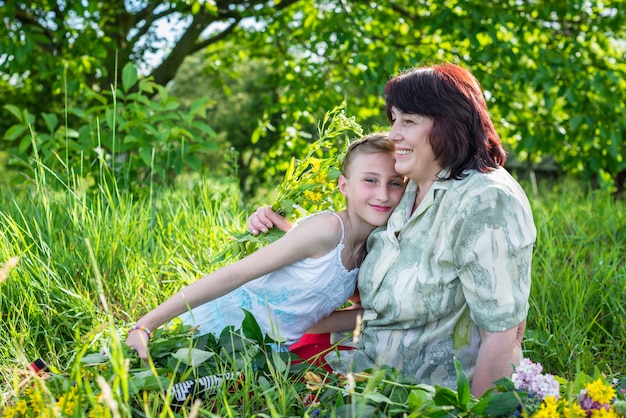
(304, 276)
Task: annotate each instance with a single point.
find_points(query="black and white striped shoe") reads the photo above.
(189, 390)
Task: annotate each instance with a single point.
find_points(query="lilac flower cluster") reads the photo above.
(528, 378)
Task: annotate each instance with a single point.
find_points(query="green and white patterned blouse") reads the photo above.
(431, 279)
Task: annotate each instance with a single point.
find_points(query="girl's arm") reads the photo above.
(344, 320)
(314, 237)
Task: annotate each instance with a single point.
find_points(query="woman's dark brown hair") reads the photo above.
(463, 136)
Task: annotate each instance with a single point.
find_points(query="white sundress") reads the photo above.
(285, 302)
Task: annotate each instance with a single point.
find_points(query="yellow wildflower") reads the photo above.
(320, 178)
(315, 164)
(600, 391)
(67, 402)
(37, 402)
(8, 412)
(573, 410)
(312, 196)
(603, 413)
(548, 408)
(21, 407)
(96, 412)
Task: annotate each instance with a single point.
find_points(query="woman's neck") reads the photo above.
(422, 189)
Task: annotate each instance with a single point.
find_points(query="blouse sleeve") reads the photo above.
(493, 255)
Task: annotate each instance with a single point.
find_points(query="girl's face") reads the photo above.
(372, 187)
(414, 155)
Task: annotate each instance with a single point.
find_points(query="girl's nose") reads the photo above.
(383, 194)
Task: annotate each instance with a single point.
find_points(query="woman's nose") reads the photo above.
(394, 132)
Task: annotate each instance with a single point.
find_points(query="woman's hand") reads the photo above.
(264, 219)
(138, 341)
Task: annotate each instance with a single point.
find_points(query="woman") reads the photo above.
(449, 276)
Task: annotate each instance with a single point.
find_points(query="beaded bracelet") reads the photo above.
(144, 329)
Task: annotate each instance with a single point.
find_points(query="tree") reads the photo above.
(554, 73)
(59, 47)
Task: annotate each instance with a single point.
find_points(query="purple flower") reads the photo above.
(588, 404)
(528, 378)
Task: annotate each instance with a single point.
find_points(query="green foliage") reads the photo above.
(554, 74)
(310, 182)
(249, 378)
(90, 261)
(239, 98)
(54, 50)
(578, 298)
(126, 136)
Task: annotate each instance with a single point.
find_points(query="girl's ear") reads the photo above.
(342, 182)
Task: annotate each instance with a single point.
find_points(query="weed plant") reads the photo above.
(577, 318)
(90, 262)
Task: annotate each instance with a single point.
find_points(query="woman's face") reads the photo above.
(414, 154)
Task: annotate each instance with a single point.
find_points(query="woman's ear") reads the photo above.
(342, 182)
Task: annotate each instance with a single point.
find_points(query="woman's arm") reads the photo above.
(314, 237)
(499, 352)
(344, 320)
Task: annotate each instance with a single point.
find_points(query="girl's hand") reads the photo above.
(138, 341)
(264, 219)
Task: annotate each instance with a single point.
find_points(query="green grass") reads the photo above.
(578, 297)
(92, 262)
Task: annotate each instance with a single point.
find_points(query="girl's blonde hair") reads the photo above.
(375, 143)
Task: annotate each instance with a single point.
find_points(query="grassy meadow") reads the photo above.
(79, 266)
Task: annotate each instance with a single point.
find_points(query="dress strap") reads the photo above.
(341, 222)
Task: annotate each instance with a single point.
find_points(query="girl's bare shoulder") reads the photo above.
(324, 228)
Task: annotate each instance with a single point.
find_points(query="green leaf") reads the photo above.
(463, 386)
(15, 111)
(204, 128)
(376, 397)
(149, 383)
(278, 362)
(146, 155)
(129, 76)
(192, 356)
(14, 132)
(250, 328)
(94, 358)
(575, 122)
(501, 403)
(445, 396)
(374, 380)
(25, 143)
(51, 120)
(418, 398)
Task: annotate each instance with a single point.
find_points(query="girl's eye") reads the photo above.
(396, 184)
(370, 180)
